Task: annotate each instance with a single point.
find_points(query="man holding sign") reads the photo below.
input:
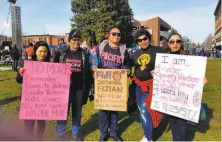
(111, 55)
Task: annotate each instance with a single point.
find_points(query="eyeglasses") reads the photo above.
(115, 34)
(75, 39)
(140, 40)
(177, 41)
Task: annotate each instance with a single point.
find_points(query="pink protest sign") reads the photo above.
(45, 91)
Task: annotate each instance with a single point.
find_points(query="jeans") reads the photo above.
(29, 128)
(108, 119)
(14, 65)
(144, 114)
(75, 100)
(179, 129)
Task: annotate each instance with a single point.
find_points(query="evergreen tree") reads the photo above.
(99, 16)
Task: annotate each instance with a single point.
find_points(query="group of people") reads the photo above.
(84, 63)
(10, 56)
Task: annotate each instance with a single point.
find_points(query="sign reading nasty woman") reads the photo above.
(178, 85)
(111, 89)
(45, 91)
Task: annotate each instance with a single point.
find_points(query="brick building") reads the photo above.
(156, 26)
(50, 39)
(217, 34)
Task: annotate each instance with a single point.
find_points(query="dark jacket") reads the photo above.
(87, 73)
(15, 54)
(19, 78)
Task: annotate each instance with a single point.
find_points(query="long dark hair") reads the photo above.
(181, 48)
(36, 46)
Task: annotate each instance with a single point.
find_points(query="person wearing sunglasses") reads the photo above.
(80, 67)
(178, 125)
(144, 61)
(111, 55)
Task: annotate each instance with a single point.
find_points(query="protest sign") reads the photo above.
(178, 85)
(45, 91)
(111, 89)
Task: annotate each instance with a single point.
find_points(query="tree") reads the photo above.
(99, 16)
(208, 42)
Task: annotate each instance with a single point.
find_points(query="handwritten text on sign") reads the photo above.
(45, 91)
(178, 85)
(111, 89)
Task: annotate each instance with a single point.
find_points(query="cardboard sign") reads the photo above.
(45, 91)
(111, 89)
(178, 85)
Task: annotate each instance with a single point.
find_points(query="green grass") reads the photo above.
(9, 88)
(129, 127)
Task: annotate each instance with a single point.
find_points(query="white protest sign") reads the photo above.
(178, 85)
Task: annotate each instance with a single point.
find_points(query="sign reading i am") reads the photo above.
(178, 85)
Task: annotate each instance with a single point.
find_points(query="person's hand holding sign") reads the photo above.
(21, 71)
(128, 72)
(152, 73)
(205, 81)
(94, 68)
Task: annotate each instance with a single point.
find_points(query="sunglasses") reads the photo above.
(177, 41)
(115, 34)
(75, 39)
(140, 40)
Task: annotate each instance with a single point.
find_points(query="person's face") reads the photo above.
(75, 43)
(61, 41)
(41, 53)
(175, 43)
(114, 36)
(143, 41)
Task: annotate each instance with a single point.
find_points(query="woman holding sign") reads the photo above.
(41, 53)
(178, 125)
(79, 59)
(144, 60)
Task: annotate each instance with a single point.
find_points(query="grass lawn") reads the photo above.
(129, 127)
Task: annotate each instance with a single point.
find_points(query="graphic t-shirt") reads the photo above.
(144, 61)
(75, 59)
(110, 58)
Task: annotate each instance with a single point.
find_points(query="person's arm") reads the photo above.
(20, 72)
(57, 57)
(19, 77)
(128, 63)
(93, 62)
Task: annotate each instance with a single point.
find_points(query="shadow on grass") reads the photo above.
(129, 120)
(202, 126)
(90, 126)
(6, 79)
(93, 124)
(9, 100)
(163, 126)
